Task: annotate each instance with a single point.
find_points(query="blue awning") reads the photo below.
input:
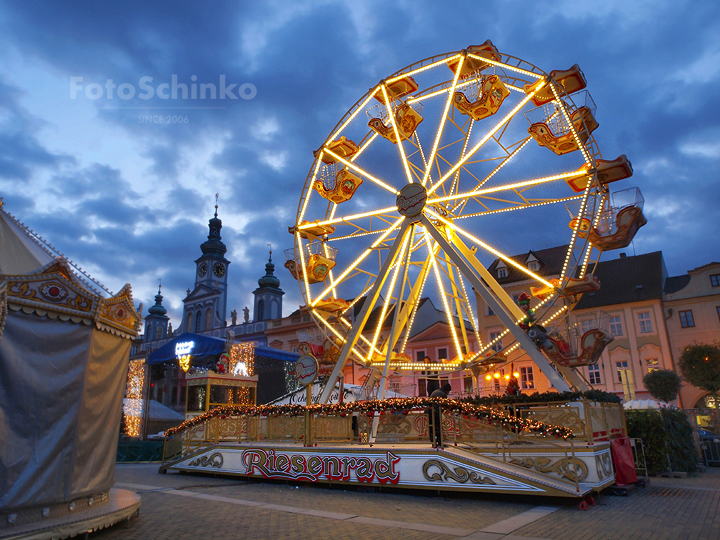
(275, 354)
(202, 347)
(205, 346)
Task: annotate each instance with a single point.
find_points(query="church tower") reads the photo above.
(268, 296)
(206, 305)
(156, 323)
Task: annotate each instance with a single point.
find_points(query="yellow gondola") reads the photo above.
(572, 80)
(407, 120)
(493, 94)
(565, 142)
(608, 171)
(471, 65)
(346, 184)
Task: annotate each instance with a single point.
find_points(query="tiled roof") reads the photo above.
(677, 283)
(627, 279)
(551, 262)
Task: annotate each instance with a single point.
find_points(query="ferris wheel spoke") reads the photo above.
(505, 187)
(368, 305)
(362, 172)
(449, 271)
(441, 125)
(482, 141)
(391, 288)
(489, 212)
(400, 146)
(490, 249)
(443, 296)
(356, 262)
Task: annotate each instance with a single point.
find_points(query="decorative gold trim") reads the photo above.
(118, 313)
(565, 467)
(459, 474)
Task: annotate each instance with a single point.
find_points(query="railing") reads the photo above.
(590, 421)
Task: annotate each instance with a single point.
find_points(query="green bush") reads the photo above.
(591, 395)
(667, 437)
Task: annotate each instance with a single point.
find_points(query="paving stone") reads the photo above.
(179, 507)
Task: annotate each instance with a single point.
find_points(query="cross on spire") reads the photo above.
(216, 203)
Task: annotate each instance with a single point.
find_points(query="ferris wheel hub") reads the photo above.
(411, 200)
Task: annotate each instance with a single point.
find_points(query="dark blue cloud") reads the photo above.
(651, 71)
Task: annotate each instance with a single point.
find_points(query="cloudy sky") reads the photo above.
(129, 198)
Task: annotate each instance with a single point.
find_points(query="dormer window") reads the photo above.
(532, 263)
(501, 269)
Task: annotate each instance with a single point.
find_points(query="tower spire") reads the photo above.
(216, 203)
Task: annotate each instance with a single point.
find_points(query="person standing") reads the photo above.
(435, 415)
(432, 382)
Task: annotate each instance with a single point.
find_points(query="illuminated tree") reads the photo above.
(700, 366)
(663, 384)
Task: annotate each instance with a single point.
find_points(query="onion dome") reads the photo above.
(269, 279)
(158, 308)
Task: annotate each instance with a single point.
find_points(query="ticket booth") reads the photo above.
(208, 390)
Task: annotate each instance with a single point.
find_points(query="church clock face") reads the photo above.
(202, 269)
(218, 269)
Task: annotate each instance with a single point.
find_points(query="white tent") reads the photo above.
(640, 404)
(64, 350)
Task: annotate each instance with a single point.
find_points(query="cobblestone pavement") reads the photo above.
(178, 506)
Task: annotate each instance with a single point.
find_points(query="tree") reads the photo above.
(663, 384)
(700, 366)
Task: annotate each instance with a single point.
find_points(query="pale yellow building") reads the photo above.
(692, 315)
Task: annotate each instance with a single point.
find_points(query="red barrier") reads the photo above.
(623, 461)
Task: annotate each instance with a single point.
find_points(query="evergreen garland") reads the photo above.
(392, 405)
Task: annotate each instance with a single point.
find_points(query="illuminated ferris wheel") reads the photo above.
(437, 170)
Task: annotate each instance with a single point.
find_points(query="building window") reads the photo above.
(527, 379)
(594, 374)
(133, 350)
(616, 326)
(395, 387)
(718, 311)
(442, 354)
(621, 366)
(533, 266)
(198, 322)
(490, 311)
(502, 272)
(496, 346)
(468, 385)
(419, 356)
(715, 280)
(516, 297)
(644, 322)
(586, 325)
(261, 310)
(686, 319)
(653, 364)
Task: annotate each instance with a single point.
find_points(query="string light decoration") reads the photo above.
(392, 405)
(132, 409)
(242, 359)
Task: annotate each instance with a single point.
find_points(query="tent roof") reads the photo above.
(19, 252)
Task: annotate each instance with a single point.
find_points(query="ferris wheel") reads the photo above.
(437, 170)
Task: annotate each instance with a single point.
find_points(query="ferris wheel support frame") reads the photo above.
(365, 311)
(501, 311)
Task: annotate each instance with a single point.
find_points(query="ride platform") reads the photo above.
(477, 457)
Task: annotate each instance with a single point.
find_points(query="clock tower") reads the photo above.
(206, 305)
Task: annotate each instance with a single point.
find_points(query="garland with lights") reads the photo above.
(391, 405)
(545, 397)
